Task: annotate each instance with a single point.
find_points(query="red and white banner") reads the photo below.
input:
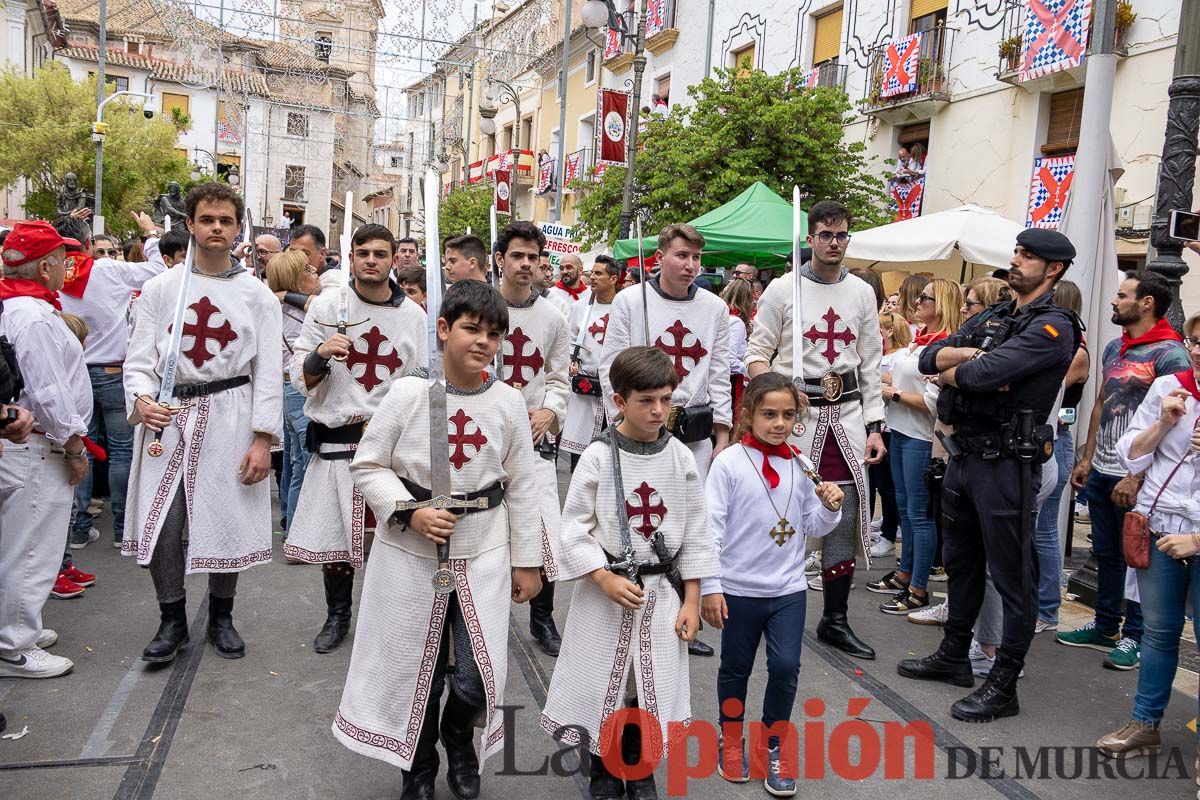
(656, 17)
(1056, 36)
(1048, 190)
(813, 78)
(503, 191)
(907, 196)
(612, 43)
(545, 177)
(574, 170)
(613, 113)
(900, 76)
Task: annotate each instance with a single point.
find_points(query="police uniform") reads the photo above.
(992, 478)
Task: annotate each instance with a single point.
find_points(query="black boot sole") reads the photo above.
(229, 654)
(846, 648)
(329, 648)
(977, 719)
(965, 681)
(167, 659)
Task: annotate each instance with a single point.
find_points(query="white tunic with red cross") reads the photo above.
(330, 518)
(603, 643)
(585, 413)
(232, 327)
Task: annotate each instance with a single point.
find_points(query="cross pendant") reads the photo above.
(782, 532)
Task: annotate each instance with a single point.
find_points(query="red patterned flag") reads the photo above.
(503, 191)
(907, 197)
(1056, 36)
(574, 167)
(1048, 190)
(614, 124)
(656, 17)
(545, 176)
(813, 78)
(612, 43)
(902, 58)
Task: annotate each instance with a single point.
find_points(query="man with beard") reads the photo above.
(1000, 375)
(587, 322)
(1149, 348)
(407, 255)
(570, 288)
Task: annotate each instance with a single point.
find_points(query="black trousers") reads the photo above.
(981, 511)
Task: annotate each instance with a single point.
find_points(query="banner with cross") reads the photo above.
(545, 176)
(902, 59)
(656, 17)
(1056, 36)
(1048, 190)
(906, 198)
(813, 78)
(574, 168)
(612, 43)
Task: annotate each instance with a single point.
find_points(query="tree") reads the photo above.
(740, 129)
(53, 137)
(464, 208)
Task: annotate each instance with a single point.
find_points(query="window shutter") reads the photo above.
(921, 8)
(827, 41)
(1062, 130)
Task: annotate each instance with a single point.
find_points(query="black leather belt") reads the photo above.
(988, 446)
(319, 434)
(190, 390)
(833, 388)
(651, 568)
(493, 493)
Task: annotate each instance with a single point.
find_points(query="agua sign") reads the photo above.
(559, 241)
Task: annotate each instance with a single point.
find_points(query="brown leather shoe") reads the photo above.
(1133, 740)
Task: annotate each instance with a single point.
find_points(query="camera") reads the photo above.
(148, 113)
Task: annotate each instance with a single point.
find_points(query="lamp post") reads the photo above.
(99, 132)
(598, 13)
(1177, 171)
(487, 122)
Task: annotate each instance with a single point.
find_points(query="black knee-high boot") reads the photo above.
(541, 620)
(833, 629)
(458, 738)
(418, 781)
(631, 752)
(339, 588)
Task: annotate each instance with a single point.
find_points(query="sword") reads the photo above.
(807, 467)
(166, 224)
(343, 319)
(798, 232)
(440, 495)
(583, 329)
(248, 227)
(166, 389)
(637, 223)
(495, 272)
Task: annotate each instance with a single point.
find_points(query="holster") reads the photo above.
(692, 424)
(585, 384)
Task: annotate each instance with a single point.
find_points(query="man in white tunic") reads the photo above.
(390, 708)
(842, 348)
(344, 377)
(533, 359)
(36, 475)
(587, 323)
(202, 506)
(625, 635)
(570, 289)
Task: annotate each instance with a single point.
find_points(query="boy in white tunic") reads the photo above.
(390, 706)
(345, 376)
(587, 323)
(533, 359)
(216, 440)
(626, 639)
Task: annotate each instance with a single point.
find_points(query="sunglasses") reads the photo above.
(102, 253)
(924, 298)
(825, 237)
(1189, 343)
(971, 303)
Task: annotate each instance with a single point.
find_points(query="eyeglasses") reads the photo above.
(310, 271)
(924, 298)
(971, 303)
(1189, 342)
(103, 253)
(825, 237)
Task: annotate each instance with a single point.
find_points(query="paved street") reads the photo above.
(257, 728)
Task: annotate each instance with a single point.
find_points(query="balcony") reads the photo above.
(828, 75)
(908, 80)
(1011, 55)
(661, 32)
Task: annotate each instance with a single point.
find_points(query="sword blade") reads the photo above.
(798, 233)
(166, 389)
(439, 435)
(248, 227)
(344, 278)
(637, 223)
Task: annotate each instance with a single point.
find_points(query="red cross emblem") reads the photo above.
(598, 328)
(844, 336)
(371, 356)
(201, 331)
(1053, 32)
(460, 439)
(678, 352)
(896, 63)
(907, 205)
(517, 360)
(649, 509)
(1056, 194)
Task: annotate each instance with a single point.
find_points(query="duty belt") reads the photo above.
(190, 390)
(494, 495)
(988, 446)
(647, 567)
(319, 434)
(833, 388)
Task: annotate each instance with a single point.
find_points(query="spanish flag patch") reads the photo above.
(1050, 329)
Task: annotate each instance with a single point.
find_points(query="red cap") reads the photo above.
(29, 241)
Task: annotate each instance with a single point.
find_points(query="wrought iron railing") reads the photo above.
(909, 69)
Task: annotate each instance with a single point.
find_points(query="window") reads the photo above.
(396, 162)
(743, 60)
(1062, 129)
(589, 68)
(133, 47)
(926, 15)
(297, 124)
(662, 88)
(293, 182)
(827, 38)
(175, 105)
(324, 46)
(558, 85)
(508, 137)
(117, 82)
(587, 133)
(527, 133)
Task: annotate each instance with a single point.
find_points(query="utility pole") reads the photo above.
(639, 67)
(98, 136)
(556, 213)
(1177, 170)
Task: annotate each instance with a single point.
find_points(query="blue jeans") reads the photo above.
(782, 620)
(108, 402)
(910, 459)
(1049, 546)
(295, 453)
(1164, 589)
(1108, 521)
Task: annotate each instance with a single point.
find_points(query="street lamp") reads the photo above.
(99, 131)
(487, 123)
(601, 13)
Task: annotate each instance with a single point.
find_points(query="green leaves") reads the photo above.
(738, 130)
(463, 208)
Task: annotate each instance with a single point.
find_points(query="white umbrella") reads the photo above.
(946, 239)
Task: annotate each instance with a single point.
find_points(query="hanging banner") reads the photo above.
(503, 191)
(906, 198)
(612, 43)
(613, 113)
(559, 241)
(227, 129)
(545, 177)
(656, 17)
(574, 168)
(1048, 190)
(903, 56)
(1056, 36)
(813, 79)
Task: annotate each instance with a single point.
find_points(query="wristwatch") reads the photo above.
(874, 427)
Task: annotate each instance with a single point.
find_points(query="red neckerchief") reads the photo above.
(22, 287)
(784, 451)
(79, 270)
(573, 292)
(1187, 379)
(923, 337)
(1161, 332)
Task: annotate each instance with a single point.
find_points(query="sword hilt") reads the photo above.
(155, 448)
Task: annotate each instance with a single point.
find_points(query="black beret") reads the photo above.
(1050, 245)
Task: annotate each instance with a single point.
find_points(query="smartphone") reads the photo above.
(1184, 225)
(1066, 416)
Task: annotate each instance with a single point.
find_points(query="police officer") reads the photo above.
(1000, 376)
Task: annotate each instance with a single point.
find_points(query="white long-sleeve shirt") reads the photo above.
(742, 517)
(737, 345)
(104, 305)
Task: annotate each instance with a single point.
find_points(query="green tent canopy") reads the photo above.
(755, 226)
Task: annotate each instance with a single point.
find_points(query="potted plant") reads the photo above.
(1010, 52)
(1126, 16)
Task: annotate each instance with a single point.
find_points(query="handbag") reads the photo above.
(693, 424)
(585, 385)
(1135, 534)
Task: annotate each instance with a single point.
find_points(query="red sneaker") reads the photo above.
(65, 587)
(79, 576)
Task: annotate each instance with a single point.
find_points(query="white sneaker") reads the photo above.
(882, 548)
(34, 663)
(1043, 626)
(876, 525)
(981, 664)
(48, 638)
(934, 615)
(812, 565)
(816, 582)
(938, 574)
